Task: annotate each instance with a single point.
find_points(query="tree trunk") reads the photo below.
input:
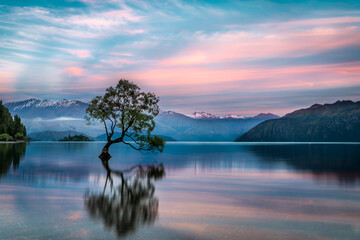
(105, 155)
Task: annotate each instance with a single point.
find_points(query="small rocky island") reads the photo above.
(76, 138)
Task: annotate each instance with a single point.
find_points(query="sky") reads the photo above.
(239, 57)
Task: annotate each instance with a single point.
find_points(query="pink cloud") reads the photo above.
(240, 46)
(6, 90)
(6, 78)
(87, 81)
(79, 53)
(305, 23)
(123, 14)
(134, 31)
(119, 62)
(210, 80)
(88, 1)
(289, 39)
(104, 19)
(75, 71)
(195, 57)
(324, 21)
(123, 54)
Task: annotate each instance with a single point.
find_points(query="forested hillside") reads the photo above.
(337, 122)
(10, 128)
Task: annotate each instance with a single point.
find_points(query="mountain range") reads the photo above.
(46, 109)
(205, 115)
(68, 115)
(337, 122)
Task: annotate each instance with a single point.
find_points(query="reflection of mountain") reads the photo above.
(324, 161)
(10, 155)
(129, 205)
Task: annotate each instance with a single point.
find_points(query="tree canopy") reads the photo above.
(129, 110)
(10, 128)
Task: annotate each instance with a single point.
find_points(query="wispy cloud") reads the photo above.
(222, 47)
(178, 48)
(80, 53)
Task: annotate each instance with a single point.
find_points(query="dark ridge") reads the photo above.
(337, 122)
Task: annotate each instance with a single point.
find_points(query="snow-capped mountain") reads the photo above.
(232, 116)
(165, 113)
(205, 115)
(202, 115)
(33, 102)
(46, 109)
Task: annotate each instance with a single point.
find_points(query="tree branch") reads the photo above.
(112, 127)
(130, 124)
(120, 139)
(137, 148)
(106, 129)
(122, 121)
(131, 138)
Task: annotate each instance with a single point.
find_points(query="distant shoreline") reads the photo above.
(13, 141)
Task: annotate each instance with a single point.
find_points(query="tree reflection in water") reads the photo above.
(131, 203)
(11, 155)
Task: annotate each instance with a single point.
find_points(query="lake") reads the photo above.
(57, 190)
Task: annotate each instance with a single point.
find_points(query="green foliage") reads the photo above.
(157, 142)
(10, 126)
(76, 138)
(5, 137)
(19, 137)
(131, 111)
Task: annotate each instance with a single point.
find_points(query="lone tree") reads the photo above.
(131, 111)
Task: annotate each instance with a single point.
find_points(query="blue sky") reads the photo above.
(216, 56)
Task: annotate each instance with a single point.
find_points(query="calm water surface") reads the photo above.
(55, 190)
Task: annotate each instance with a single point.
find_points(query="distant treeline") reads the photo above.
(10, 128)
